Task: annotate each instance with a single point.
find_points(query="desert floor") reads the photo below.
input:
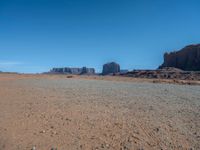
(93, 113)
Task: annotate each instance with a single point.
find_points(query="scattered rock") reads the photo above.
(157, 129)
(33, 148)
(69, 76)
(43, 131)
(107, 145)
(165, 73)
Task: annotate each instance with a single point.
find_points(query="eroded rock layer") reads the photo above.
(187, 58)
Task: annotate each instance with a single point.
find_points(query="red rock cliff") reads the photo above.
(187, 58)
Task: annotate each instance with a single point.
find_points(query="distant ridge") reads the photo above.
(75, 71)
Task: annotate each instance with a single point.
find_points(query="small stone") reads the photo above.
(34, 148)
(107, 145)
(43, 131)
(157, 129)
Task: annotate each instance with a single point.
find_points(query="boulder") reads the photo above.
(187, 58)
(110, 68)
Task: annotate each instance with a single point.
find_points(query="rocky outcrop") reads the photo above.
(87, 70)
(187, 58)
(76, 71)
(123, 71)
(165, 73)
(110, 68)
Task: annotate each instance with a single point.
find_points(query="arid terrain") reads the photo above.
(98, 113)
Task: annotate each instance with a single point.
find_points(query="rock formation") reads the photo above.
(88, 70)
(75, 71)
(165, 73)
(110, 68)
(123, 71)
(187, 58)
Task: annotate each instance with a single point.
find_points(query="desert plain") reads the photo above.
(45, 112)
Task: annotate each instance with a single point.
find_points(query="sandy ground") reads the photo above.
(94, 113)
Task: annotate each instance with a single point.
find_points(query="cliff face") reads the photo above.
(85, 70)
(77, 71)
(110, 68)
(187, 58)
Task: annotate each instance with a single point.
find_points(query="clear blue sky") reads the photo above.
(36, 35)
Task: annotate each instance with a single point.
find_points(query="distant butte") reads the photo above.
(75, 71)
(187, 59)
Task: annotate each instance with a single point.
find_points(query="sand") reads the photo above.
(97, 113)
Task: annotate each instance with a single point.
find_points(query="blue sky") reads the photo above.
(36, 35)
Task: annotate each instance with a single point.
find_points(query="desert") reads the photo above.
(99, 75)
(48, 112)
